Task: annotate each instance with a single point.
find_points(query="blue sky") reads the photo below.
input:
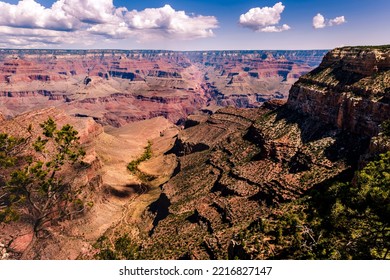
(193, 25)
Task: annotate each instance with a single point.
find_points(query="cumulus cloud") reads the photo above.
(94, 18)
(337, 21)
(155, 23)
(320, 22)
(264, 19)
(30, 14)
(171, 22)
(284, 27)
(35, 38)
(89, 11)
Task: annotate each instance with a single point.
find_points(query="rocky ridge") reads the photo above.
(237, 167)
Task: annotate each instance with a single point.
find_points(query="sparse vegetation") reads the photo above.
(133, 165)
(342, 221)
(31, 180)
(381, 47)
(385, 128)
(122, 248)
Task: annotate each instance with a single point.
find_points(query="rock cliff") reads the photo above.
(350, 88)
(237, 167)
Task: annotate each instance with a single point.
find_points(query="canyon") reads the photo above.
(115, 87)
(235, 158)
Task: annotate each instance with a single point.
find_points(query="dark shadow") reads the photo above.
(283, 74)
(195, 218)
(311, 129)
(224, 215)
(161, 209)
(268, 196)
(127, 190)
(185, 256)
(218, 187)
(118, 193)
(123, 75)
(346, 77)
(317, 190)
(181, 149)
(315, 71)
(177, 169)
(385, 99)
(347, 146)
(320, 200)
(299, 162)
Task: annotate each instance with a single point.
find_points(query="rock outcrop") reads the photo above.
(350, 88)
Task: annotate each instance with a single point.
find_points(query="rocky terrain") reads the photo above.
(107, 187)
(236, 168)
(278, 181)
(116, 87)
(244, 170)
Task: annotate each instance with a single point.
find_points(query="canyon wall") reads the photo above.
(115, 87)
(350, 88)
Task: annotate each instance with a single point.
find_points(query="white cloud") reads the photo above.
(337, 21)
(264, 19)
(20, 37)
(273, 28)
(96, 18)
(157, 23)
(320, 22)
(30, 14)
(171, 23)
(89, 11)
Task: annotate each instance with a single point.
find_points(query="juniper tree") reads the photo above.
(33, 179)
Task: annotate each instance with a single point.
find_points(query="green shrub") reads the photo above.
(385, 128)
(133, 165)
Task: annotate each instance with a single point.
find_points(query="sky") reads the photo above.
(193, 24)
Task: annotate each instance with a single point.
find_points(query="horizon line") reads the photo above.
(159, 50)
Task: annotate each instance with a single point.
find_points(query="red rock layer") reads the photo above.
(350, 89)
(115, 87)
